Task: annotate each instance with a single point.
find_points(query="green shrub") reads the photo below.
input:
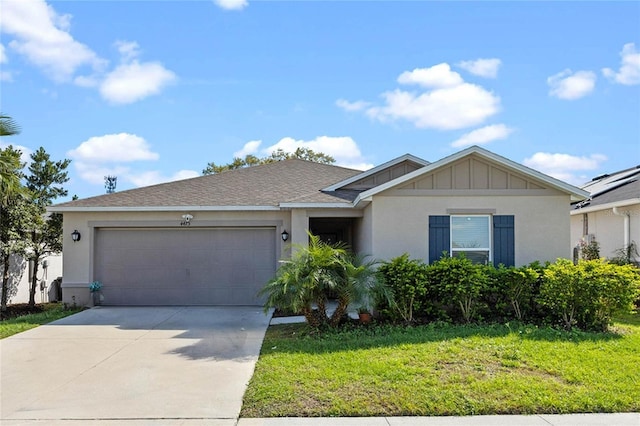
(589, 293)
(513, 289)
(459, 281)
(407, 280)
(609, 288)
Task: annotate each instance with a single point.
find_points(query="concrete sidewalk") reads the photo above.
(615, 419)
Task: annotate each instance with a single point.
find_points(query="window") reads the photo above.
(495, 232)
(471, 235)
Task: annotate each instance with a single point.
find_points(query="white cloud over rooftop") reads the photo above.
(483, 136)
(342, 148)
(444, 101)
(565, 167)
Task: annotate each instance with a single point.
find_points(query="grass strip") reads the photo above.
(51, 312)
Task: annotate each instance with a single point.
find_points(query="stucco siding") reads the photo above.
(607, 228)
(541, 223)
(363, 232)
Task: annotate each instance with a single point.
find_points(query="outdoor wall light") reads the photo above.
(187, 217)
(75, 236)
(284, 235)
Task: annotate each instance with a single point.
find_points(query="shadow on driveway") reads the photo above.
(133, 363)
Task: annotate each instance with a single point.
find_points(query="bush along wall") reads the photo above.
(585, 295)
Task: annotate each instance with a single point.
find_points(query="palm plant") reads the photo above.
(8, 127)
(304, 282)
(359, 281)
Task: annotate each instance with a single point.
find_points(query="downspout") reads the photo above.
(627, 230)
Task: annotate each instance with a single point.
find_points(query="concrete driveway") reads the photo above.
(166, 365)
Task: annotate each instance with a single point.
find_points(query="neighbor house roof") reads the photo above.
(260, 187)
(617, 189)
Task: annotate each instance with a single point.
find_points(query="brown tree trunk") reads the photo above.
(34, 282)
(341, 310)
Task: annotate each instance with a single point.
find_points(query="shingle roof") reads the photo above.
(264, 185)
(610, 188)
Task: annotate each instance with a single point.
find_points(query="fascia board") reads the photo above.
(55, 209)
(316, 205)
(591, 209)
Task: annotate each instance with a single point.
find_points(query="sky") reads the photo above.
(152, 91)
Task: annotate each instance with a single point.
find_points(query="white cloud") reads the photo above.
(231, 4)
(342, 148)
(129, 50)
(121, 147)
(100, 156)
(564, 166)
(352, 106)
(155, 177)
(95, 174)
(131, 81)
(629, 73)
(483, 136)
(443, 109)
(134, 81)
(437, 76)
(570, 86)
(4, 75)
(445, 101)
(249, 148)
(42, 36)
(487, 68)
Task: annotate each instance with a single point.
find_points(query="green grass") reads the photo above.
(445, 370)
(52, 312)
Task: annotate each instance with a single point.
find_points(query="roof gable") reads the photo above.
(473, 172)
(475, 168)
(380, 174)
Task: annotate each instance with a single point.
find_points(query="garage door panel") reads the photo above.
(213, 266)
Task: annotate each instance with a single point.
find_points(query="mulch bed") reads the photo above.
(20, 309)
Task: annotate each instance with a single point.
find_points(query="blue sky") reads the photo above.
(152, 91)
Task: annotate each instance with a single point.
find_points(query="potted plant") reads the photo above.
(94, 289)
(364, 314)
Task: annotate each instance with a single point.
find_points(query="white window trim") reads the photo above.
(470, 249)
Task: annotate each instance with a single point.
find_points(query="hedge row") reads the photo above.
(583, 295)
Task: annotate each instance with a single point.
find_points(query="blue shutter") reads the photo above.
(504, 241)
(439, 237)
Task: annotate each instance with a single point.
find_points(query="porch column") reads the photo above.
(299, 227)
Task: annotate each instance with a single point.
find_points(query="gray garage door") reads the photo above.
(185, 266)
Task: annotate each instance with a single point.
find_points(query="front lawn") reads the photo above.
(442, 369)
(44, 313)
